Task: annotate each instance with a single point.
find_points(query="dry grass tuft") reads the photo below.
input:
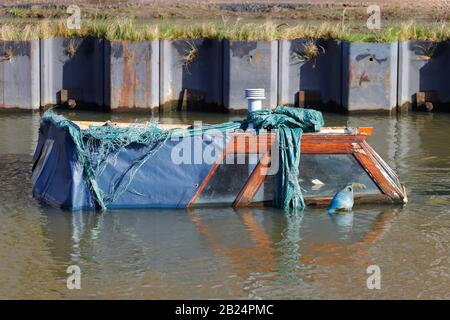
(312, 50)
(307, 51)
(435, 32)
(71, 49)
(191, 54)
(426, 51)
(9, 54)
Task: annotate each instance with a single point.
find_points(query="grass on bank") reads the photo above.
(126, 29)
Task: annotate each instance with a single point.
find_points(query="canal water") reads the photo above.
(222, 253)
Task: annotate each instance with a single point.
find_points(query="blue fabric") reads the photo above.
(157, 183)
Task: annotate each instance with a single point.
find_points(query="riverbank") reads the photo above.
(119, 65)
(190, 10)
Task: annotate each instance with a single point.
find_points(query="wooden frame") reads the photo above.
(312, 143)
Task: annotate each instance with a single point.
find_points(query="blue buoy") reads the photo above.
(342, 200)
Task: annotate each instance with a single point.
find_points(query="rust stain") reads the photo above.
(351, 74)
(363, 78)
(147, 77)
(127, 84)
(387, 82)
(257, 56)
(135, 67)
(124, 85)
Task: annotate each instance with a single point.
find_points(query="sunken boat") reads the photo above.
(81, 165)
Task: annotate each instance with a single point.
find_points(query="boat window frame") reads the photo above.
(312, 143)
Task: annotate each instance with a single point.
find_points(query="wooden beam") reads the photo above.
(370, 164)
(204, 183)
(86, 124)
(220, 160)
(251, 187)
(310, 144)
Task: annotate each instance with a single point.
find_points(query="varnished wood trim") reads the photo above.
(245, 196)
(329, 144)
(203, 184)
(310, 144)
(220, 160)
(371, 166)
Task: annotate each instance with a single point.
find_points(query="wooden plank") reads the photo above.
(203, 184)
(325, 131)
(86, 124)
(310, 144)
(333, 144)
(184, 101)
(358, 198)
(220, 160)
(251, 187)
(371, 166)
(365, 131)
(251, 143)
(307, 98)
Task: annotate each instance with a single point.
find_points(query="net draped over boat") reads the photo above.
(290, 123)
(98, 146)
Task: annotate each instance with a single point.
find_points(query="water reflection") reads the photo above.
(356, 234)
(245, 243)
(224, 253)
(343, 220)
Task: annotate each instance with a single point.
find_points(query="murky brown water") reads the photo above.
(223, 253)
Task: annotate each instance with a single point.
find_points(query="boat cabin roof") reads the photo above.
(366, 131)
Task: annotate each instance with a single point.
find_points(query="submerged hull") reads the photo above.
(239, 171)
